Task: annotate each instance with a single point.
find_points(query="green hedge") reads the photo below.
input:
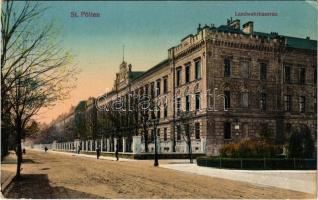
(258, 163)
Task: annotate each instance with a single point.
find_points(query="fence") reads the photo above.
(135, 147)
(259, 163)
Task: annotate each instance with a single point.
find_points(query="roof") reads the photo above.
(300, 43)
(134, 75)
(154, 68)
(292, 42)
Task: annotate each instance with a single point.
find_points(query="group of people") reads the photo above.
(98, 151)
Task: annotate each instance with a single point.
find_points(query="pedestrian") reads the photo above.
(45, 149)
(79, 149)
(116, 153)
(23, 150)
(98, 152)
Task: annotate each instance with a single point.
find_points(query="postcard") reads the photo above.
(159, 99)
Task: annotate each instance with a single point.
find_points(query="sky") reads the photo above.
(148, 30)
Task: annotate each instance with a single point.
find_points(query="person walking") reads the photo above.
(79, 149)
(45, 149)
(116, 153)
(98, 152)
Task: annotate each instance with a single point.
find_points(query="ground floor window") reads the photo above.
(227, 130)
(165, 136)
(178, 132)
(245, 130)
(197, 130)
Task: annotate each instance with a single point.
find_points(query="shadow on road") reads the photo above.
(37, 186)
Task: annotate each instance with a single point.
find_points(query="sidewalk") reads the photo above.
(8, 170)
(84, 155)
(297, 180)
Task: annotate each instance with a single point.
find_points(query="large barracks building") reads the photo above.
(236, 81)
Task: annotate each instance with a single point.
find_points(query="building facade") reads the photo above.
(237, 82)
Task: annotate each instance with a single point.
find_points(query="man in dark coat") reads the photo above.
(98, 152)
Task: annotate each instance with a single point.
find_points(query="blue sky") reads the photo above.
(149, 29)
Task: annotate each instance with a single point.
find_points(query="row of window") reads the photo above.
(301, 75)
(227, 131)
(188, 103)
(245, 71)
(187, 72)
(188, 131)
(301, 102)
(244, 100)
(179, 133)
(155, 91)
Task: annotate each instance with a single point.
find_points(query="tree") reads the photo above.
(154, 122)
(80, 120)
(32, 130)
(35, 74)
(186, 123)
(301, 143)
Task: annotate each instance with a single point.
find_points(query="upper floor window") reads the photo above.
(287, 74)
(158, 87)
(287, 100)
(141, 91)
(178, 106)
(197, 69)
(197, 130)
(302, 75)
(227, 67)
(165, 111)
(187, 73)
(227, 99)
(197, 101)
(244, 99)
(263, 71)
(263, 101)
(227, 130)
(188, 103)
(245, 69)
(146, 89)
(152, 89)
(165, 85)
(302, 104)
(178, 76)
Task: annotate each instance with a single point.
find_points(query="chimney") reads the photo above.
(235, 24)
(248, 27)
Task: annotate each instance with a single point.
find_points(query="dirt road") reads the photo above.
(52, 175)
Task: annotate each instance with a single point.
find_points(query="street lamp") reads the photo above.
(156, 163)
(155, 121)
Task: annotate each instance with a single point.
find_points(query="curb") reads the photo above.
(5, 185)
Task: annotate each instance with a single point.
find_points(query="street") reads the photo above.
(55, 175)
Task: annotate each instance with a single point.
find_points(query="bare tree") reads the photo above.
(186, 123)
(34, 72)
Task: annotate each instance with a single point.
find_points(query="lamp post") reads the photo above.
(155, 121)
(156, 163)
